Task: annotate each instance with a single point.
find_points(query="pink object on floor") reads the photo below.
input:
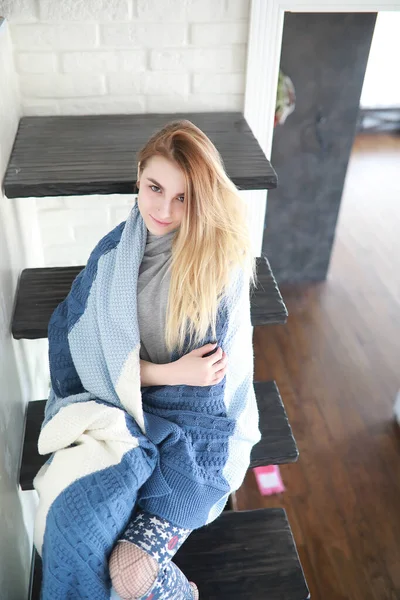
(269, 480)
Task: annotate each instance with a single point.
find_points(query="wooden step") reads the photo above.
(277, 445)
(40, 290)
(95, 154)
(246, 555)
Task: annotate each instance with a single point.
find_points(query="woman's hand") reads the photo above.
(193, 369)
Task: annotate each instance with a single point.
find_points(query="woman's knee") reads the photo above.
(132, 570)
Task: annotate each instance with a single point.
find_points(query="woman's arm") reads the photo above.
(155, 374)
(197, 370)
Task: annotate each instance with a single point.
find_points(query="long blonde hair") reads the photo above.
(213, 237)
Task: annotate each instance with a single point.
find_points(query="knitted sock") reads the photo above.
(140, 564)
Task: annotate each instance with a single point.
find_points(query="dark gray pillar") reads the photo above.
(325, 55)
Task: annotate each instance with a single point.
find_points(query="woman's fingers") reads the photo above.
(222, 362)
(218, 379)
(221, 368)
(219, 365)
(217, 355)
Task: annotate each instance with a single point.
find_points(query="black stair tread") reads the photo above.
(266, 302)
(96, 154)
(277, 445)
(40, 290)
(246, 555)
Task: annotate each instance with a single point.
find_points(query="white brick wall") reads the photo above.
(137, 56)
(70, 227)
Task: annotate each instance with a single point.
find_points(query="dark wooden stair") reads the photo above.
(246, 555)
(277, 445)
(95, 154)
(40, 290)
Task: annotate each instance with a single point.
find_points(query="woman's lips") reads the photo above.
(159, 222)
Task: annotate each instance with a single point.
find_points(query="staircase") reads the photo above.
(243, 554)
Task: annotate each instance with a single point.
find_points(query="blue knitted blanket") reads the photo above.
(175, 451)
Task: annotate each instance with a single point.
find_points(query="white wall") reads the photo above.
(71, 226)
(130, 56)
(381, 87)
(16, 509)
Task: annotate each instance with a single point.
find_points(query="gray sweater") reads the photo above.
(153, 288)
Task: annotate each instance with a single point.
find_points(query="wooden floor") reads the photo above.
(337, 366)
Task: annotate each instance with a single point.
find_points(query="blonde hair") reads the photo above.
(213, 238)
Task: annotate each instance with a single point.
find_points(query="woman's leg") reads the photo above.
(140, 564)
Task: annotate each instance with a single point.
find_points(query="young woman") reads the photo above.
(178, 446)
(196, 232)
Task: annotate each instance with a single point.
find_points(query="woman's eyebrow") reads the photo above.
(159, 185)
(156, 182)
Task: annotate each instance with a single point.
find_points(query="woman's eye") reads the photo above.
(156, 189)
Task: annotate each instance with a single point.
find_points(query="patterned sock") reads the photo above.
(171, 584)
(140, 564)
(132, 570)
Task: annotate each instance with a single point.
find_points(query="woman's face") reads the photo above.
(161, 195)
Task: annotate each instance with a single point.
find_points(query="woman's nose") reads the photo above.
(164, 210)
